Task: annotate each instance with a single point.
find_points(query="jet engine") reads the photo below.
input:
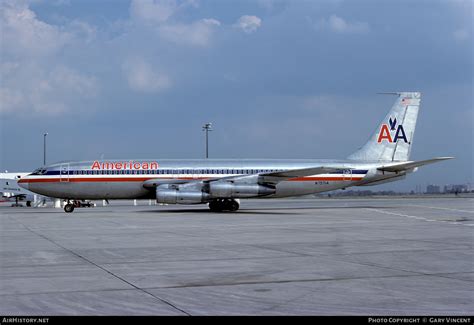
(174, 196)
(232, 190)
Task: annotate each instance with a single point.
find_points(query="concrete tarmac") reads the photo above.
(391, 256)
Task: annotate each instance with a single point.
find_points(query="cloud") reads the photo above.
(248, 24)
(82, 31)
(34, 80)
(461, 35)
(24, 34)
(142, 78)
(339, 25)
(31, 89)
(198, 33)
(156, 16)
(152, 11)
(267, 4)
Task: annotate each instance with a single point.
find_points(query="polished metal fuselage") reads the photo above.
(77, 180)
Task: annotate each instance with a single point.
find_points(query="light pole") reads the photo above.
(207, 127)
(44, 148)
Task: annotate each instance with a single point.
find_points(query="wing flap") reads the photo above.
(400, 167)
(152, 183)
(292, 173)
(280, 176)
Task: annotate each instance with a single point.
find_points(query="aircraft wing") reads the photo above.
(269, 178)
(279, 176)
(13, 195)
(157, 182)
(404, 166)
(276, 177)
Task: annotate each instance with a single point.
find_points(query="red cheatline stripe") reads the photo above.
(70, 180)
(142, 179)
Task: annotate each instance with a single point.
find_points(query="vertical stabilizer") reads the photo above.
(393, 138)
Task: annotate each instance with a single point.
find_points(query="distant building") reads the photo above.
(433, 189)
(459, 188)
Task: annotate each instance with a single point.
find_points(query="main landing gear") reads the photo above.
(224, 205)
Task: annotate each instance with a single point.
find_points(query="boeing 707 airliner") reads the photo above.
(221, 183)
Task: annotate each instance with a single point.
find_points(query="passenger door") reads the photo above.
(64, 173)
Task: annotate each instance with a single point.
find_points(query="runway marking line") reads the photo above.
(419, 218)
(438, 208)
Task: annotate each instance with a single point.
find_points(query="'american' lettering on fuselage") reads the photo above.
(118, 165)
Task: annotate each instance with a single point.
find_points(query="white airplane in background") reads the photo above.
(220, 183)
(9, 189)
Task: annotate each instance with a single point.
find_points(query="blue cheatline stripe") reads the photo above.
(359, 171)
(354, 171)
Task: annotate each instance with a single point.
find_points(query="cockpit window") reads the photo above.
(39, 171)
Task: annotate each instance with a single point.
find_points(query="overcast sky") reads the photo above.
(278, 79)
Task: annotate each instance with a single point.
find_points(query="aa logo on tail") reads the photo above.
(387, 130)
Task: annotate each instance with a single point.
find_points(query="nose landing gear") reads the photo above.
(69, 207)
(224, 205)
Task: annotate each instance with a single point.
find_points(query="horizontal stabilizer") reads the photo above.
(404, 166)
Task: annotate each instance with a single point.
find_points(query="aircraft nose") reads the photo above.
(23, 182)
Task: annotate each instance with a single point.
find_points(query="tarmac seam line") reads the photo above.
(104, 269)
